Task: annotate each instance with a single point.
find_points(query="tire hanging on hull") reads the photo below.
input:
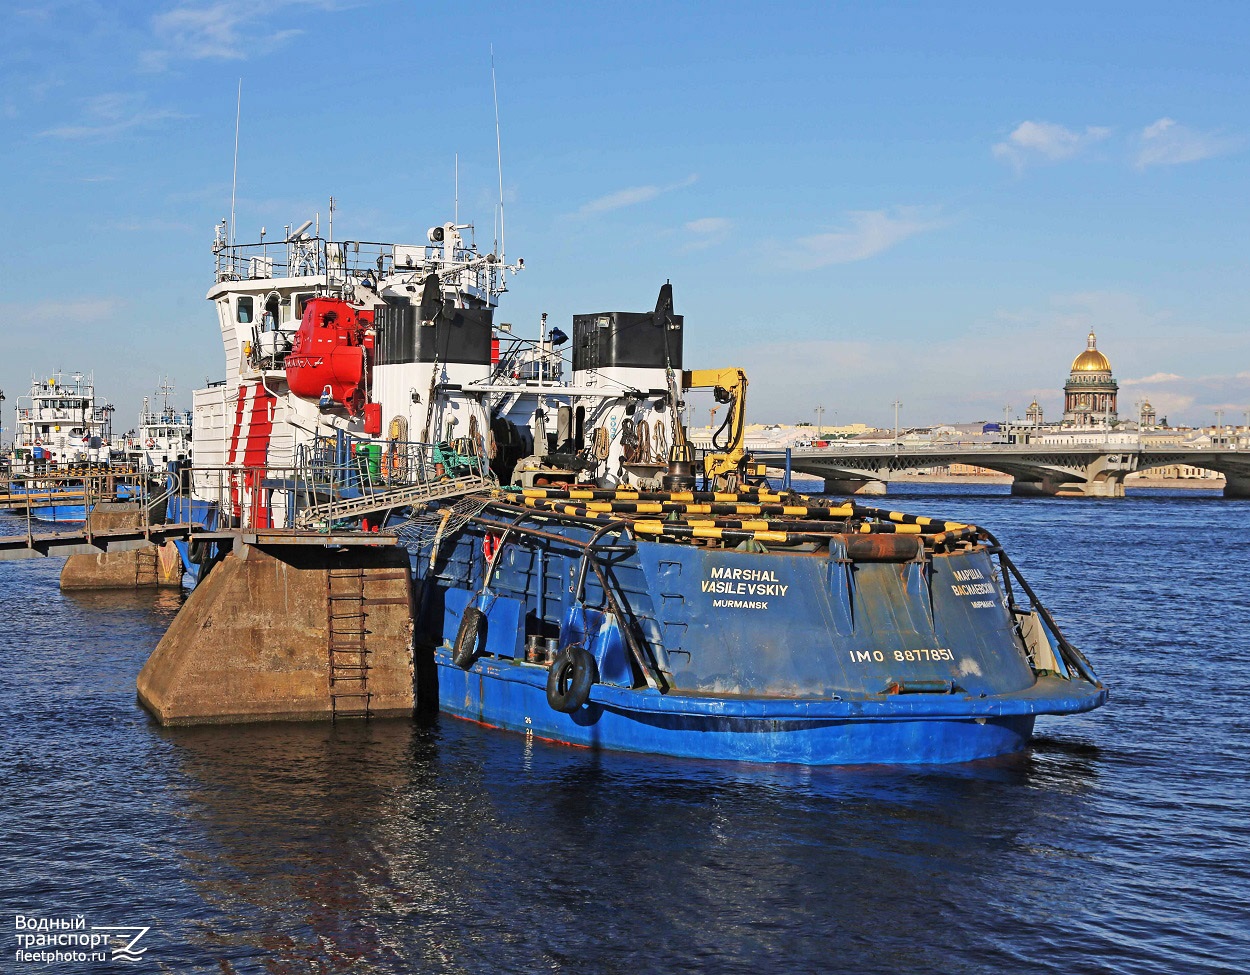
(570, 679)
(464, 649)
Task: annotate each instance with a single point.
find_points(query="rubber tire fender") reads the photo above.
(464, 649)
(197, 551)
(572, 674)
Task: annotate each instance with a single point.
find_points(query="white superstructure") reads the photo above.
(162, 437)
(408, 388)
(346, 349)
(61, 422)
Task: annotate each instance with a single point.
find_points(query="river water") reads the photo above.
(1119, 843)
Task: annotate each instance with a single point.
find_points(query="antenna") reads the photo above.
(498, 153)
(165, 389)
(234, 182)
(456, 211)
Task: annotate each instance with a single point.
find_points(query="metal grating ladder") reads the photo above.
(392, 499)
(146, 567)
(349, 655)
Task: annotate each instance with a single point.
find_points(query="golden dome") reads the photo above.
(1091, 360)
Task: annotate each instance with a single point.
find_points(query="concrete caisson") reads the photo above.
(255, 640)
(138, 568)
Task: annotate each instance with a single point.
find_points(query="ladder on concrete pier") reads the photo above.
(391, 499)
(346, 632)
(147, 572)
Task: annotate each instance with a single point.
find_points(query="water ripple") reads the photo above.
(1118, 843)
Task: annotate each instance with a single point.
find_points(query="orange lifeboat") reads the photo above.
(328, 360)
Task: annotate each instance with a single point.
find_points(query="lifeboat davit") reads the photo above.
(329, 355)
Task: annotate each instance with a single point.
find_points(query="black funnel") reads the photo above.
(431, 299)
(664, 304)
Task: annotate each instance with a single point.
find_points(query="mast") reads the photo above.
(502, 247)
(234, 181)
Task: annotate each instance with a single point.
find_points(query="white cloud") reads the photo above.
(1153, 379)
(1167, 143)
(1046, 141)
(59, 323)
(709, 225)
(112, 114)
(707, 232)
(631, 196)
(60, 311)
(870, 232)
(154, 226)
(226, 30)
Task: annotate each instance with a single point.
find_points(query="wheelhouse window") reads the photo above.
(243, 311)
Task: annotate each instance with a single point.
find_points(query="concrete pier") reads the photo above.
(868, 487)
(1053, 487)
(1236, 487)
(288, 633)
(148, 566)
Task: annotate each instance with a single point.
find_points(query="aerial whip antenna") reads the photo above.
(234, 182)
(498, 153)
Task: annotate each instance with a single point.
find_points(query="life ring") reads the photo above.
(490, 546)
(150, 443)
(570, 679)
(464, 650)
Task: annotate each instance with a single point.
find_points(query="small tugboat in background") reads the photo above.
(59, 422)
(161, 438)
(63, 432)
(583, 573)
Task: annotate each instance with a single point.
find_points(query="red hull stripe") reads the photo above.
(238, 424)
(259, 428)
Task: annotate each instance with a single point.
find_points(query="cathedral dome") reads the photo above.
(1091, 360)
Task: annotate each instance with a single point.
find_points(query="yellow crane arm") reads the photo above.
(729, 386)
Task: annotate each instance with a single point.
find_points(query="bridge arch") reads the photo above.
(1081, 470)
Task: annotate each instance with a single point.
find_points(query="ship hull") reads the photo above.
(512, 697)
(786, 658)
(60, 514)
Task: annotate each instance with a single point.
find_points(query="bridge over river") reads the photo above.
(1080, 470)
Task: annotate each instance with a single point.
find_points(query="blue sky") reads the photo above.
(930, 202)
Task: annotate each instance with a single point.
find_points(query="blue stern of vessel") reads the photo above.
(60, 514)
(909, 730)
(813, 658)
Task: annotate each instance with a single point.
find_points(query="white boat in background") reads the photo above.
(61, 423)
(161, 437)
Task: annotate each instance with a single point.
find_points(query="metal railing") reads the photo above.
(339, 263)
(54, 497)
(334, 483)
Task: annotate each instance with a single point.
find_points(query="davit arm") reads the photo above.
(724, 461)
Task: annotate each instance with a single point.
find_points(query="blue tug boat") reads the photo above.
(557, 614)
(583, 572)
